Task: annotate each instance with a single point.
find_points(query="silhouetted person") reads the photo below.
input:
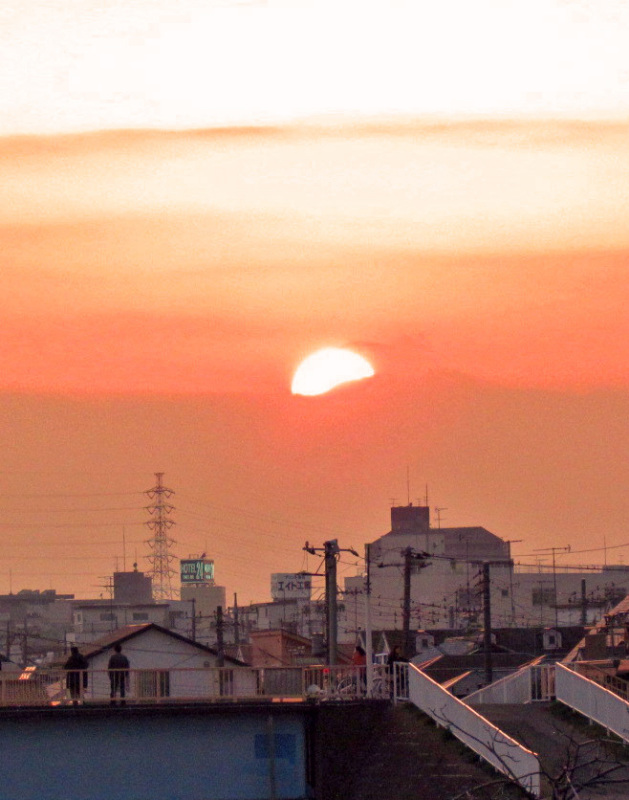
(394, 657)
(118, 668)
(76, 666)
(359, 658)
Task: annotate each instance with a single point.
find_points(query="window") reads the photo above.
(140, 615)
(153, 683)
(544, 597)
(467, 599)
(109, 617)
(504, 592)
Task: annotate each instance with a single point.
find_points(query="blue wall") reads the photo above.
(130, 756)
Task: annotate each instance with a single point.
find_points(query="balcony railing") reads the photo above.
(52, 687)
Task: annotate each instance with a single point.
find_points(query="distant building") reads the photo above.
(295, 615)
(95, 618)
(162, 664)
(133, 587)
(33, 623)
(279, 648)
(198, 587)
(445, 587)
(291, 609)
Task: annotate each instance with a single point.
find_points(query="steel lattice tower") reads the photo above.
(160, 543)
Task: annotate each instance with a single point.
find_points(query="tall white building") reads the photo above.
(446, 586)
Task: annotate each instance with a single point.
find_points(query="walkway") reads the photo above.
(409, 758)
(592, 764)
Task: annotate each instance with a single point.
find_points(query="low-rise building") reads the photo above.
(446, 581)
(94, 618)
(163, 664)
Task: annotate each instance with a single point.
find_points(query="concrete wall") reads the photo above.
(131, 754)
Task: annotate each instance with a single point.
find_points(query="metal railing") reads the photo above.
(533, 683)
(578, 689)
(603, 673)
(479, 734)
(40, 687)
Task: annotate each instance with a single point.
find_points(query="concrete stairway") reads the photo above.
(568, 749)
(408, 758)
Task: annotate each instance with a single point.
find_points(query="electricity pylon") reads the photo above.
(160, 543)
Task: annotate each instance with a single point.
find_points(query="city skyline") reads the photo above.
(196, 197)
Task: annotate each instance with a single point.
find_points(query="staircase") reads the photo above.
(570, 750)
(409, 758)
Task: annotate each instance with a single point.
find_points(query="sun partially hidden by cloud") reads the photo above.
(328, 368)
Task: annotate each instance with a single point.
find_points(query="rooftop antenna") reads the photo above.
(426, 496)
(408, 486)
(438, 510)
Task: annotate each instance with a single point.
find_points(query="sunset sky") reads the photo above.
(194, 196)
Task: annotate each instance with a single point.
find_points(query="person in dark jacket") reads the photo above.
(395, 656)
(76, 678)
(118, 668)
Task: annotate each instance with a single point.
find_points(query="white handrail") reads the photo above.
(592, 700)
(531, 683)
(479, 734)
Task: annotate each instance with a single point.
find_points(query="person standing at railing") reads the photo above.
(395, 657)
(359, 660)
(359, 657)
(118, 669)
(76, 678)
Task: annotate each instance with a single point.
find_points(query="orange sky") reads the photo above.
(164, 277)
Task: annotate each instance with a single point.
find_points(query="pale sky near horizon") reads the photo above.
(91, 65)
(443, 187)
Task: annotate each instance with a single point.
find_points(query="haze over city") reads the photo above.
(195, 197)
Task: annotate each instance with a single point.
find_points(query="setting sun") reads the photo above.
(328, 368)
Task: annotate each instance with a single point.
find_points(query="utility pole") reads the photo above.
(25, 643)
(584, 604)
(409, 555)
(406, 606)
(331, 551)
(554, 550)
(487, 622)
(160, 543)
(236, 621)
(220, 647)
(486, 592)
(368, 637)
(194, 620)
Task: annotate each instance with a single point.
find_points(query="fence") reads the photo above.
(532, 683)
(489, 742)
(590, 698)
(36, 687)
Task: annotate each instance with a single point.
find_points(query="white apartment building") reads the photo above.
(446, 587)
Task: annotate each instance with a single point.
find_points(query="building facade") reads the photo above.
(447, 582)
